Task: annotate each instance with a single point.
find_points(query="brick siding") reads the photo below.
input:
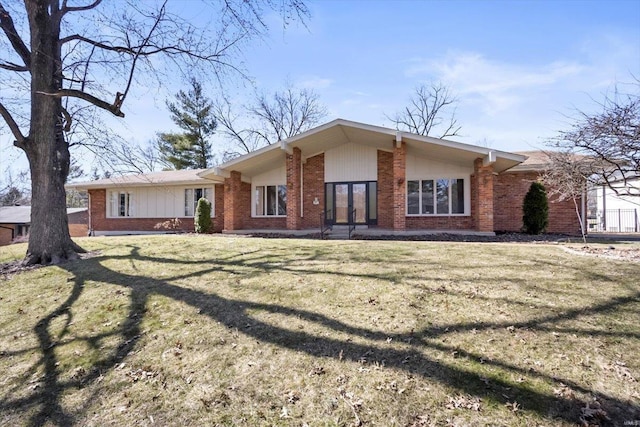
(294, 170)
(313, 185)
(496, 202)
(509, 193)
(484, 196)
(6, 235)
(399, 186)
(385, 190)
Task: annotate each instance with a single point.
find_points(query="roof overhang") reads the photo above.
(143, 180)
(340, 131)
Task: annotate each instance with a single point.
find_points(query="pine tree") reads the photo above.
(192, 113)
(536, 209)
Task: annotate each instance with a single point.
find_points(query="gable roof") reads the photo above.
(340, 131)
(175, 177)
(313, 142)
(22, 214)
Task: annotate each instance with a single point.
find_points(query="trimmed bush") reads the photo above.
(536, 209)
(202, 219)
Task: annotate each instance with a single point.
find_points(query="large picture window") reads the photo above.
(121, 204)
(441, 196)
(191, 197)
(271, 200)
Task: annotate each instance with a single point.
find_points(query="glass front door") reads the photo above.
(351, 202)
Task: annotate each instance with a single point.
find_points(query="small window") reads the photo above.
(442, 196)
(191, 197)
(121, 204)
(413, 197)
(457, 196)
(271, 200)
(427, 197)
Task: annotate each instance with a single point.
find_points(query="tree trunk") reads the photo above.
(46, 146)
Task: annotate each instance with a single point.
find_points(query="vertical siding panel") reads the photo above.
(351, 162)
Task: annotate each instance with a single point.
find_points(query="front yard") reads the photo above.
(211, 330)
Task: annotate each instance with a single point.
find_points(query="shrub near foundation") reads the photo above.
(536, 209)
(202, 220)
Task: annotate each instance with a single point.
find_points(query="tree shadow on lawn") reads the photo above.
(45, 403)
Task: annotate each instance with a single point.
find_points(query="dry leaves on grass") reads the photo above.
(620, 368)
(592, 415)
(464, 402)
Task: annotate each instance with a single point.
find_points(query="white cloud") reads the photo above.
(491, 85)
(314, 82)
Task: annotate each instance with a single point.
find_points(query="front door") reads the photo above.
(347, 203)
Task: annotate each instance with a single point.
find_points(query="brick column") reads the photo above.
(97, 209)
(232, 202)
(294, 173)
(399, 186)
(484, 196)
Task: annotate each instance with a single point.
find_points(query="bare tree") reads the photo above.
(431, 111)
(13, 190)
(121, 157)
(609, 141)
(566, 176)
(270, 118)
(67, 62)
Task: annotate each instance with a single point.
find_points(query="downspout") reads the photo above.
(584, 210)
(90, 225)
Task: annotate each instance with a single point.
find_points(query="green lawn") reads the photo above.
(211, 330)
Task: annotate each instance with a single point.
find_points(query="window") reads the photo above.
(121, 204)
(271, 200)
(441, 196)
(191, 197)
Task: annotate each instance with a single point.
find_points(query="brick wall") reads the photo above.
(6, 235)
(399, 186)
(509, 191)
(294, 171)
(100, 222)
(385, 189)
(440, 222)
(218, 220)
(484, 196)
(244, 213)
(313, 184)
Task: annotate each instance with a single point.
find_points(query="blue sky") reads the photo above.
(518, 68)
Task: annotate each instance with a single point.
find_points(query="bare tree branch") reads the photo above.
(425, 113)
(610, 140)
(65, 9)
(13, 126)
(112, 108)
(7, 25)
(270, 118)
(13, 67)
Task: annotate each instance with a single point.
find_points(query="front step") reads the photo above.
(341, 232)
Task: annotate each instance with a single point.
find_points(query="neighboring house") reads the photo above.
(339, 173)
(615, 212)
(15, 222)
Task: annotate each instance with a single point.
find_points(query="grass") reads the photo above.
(202, 330)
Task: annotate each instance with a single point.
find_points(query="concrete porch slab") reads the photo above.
(362, 232)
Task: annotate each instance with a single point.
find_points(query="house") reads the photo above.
(617, 209)
(340, 173)
(15, 222)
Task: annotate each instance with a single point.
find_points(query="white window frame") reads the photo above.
(207, 192)
(466, 196)
(254, 201)
(114, 207)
